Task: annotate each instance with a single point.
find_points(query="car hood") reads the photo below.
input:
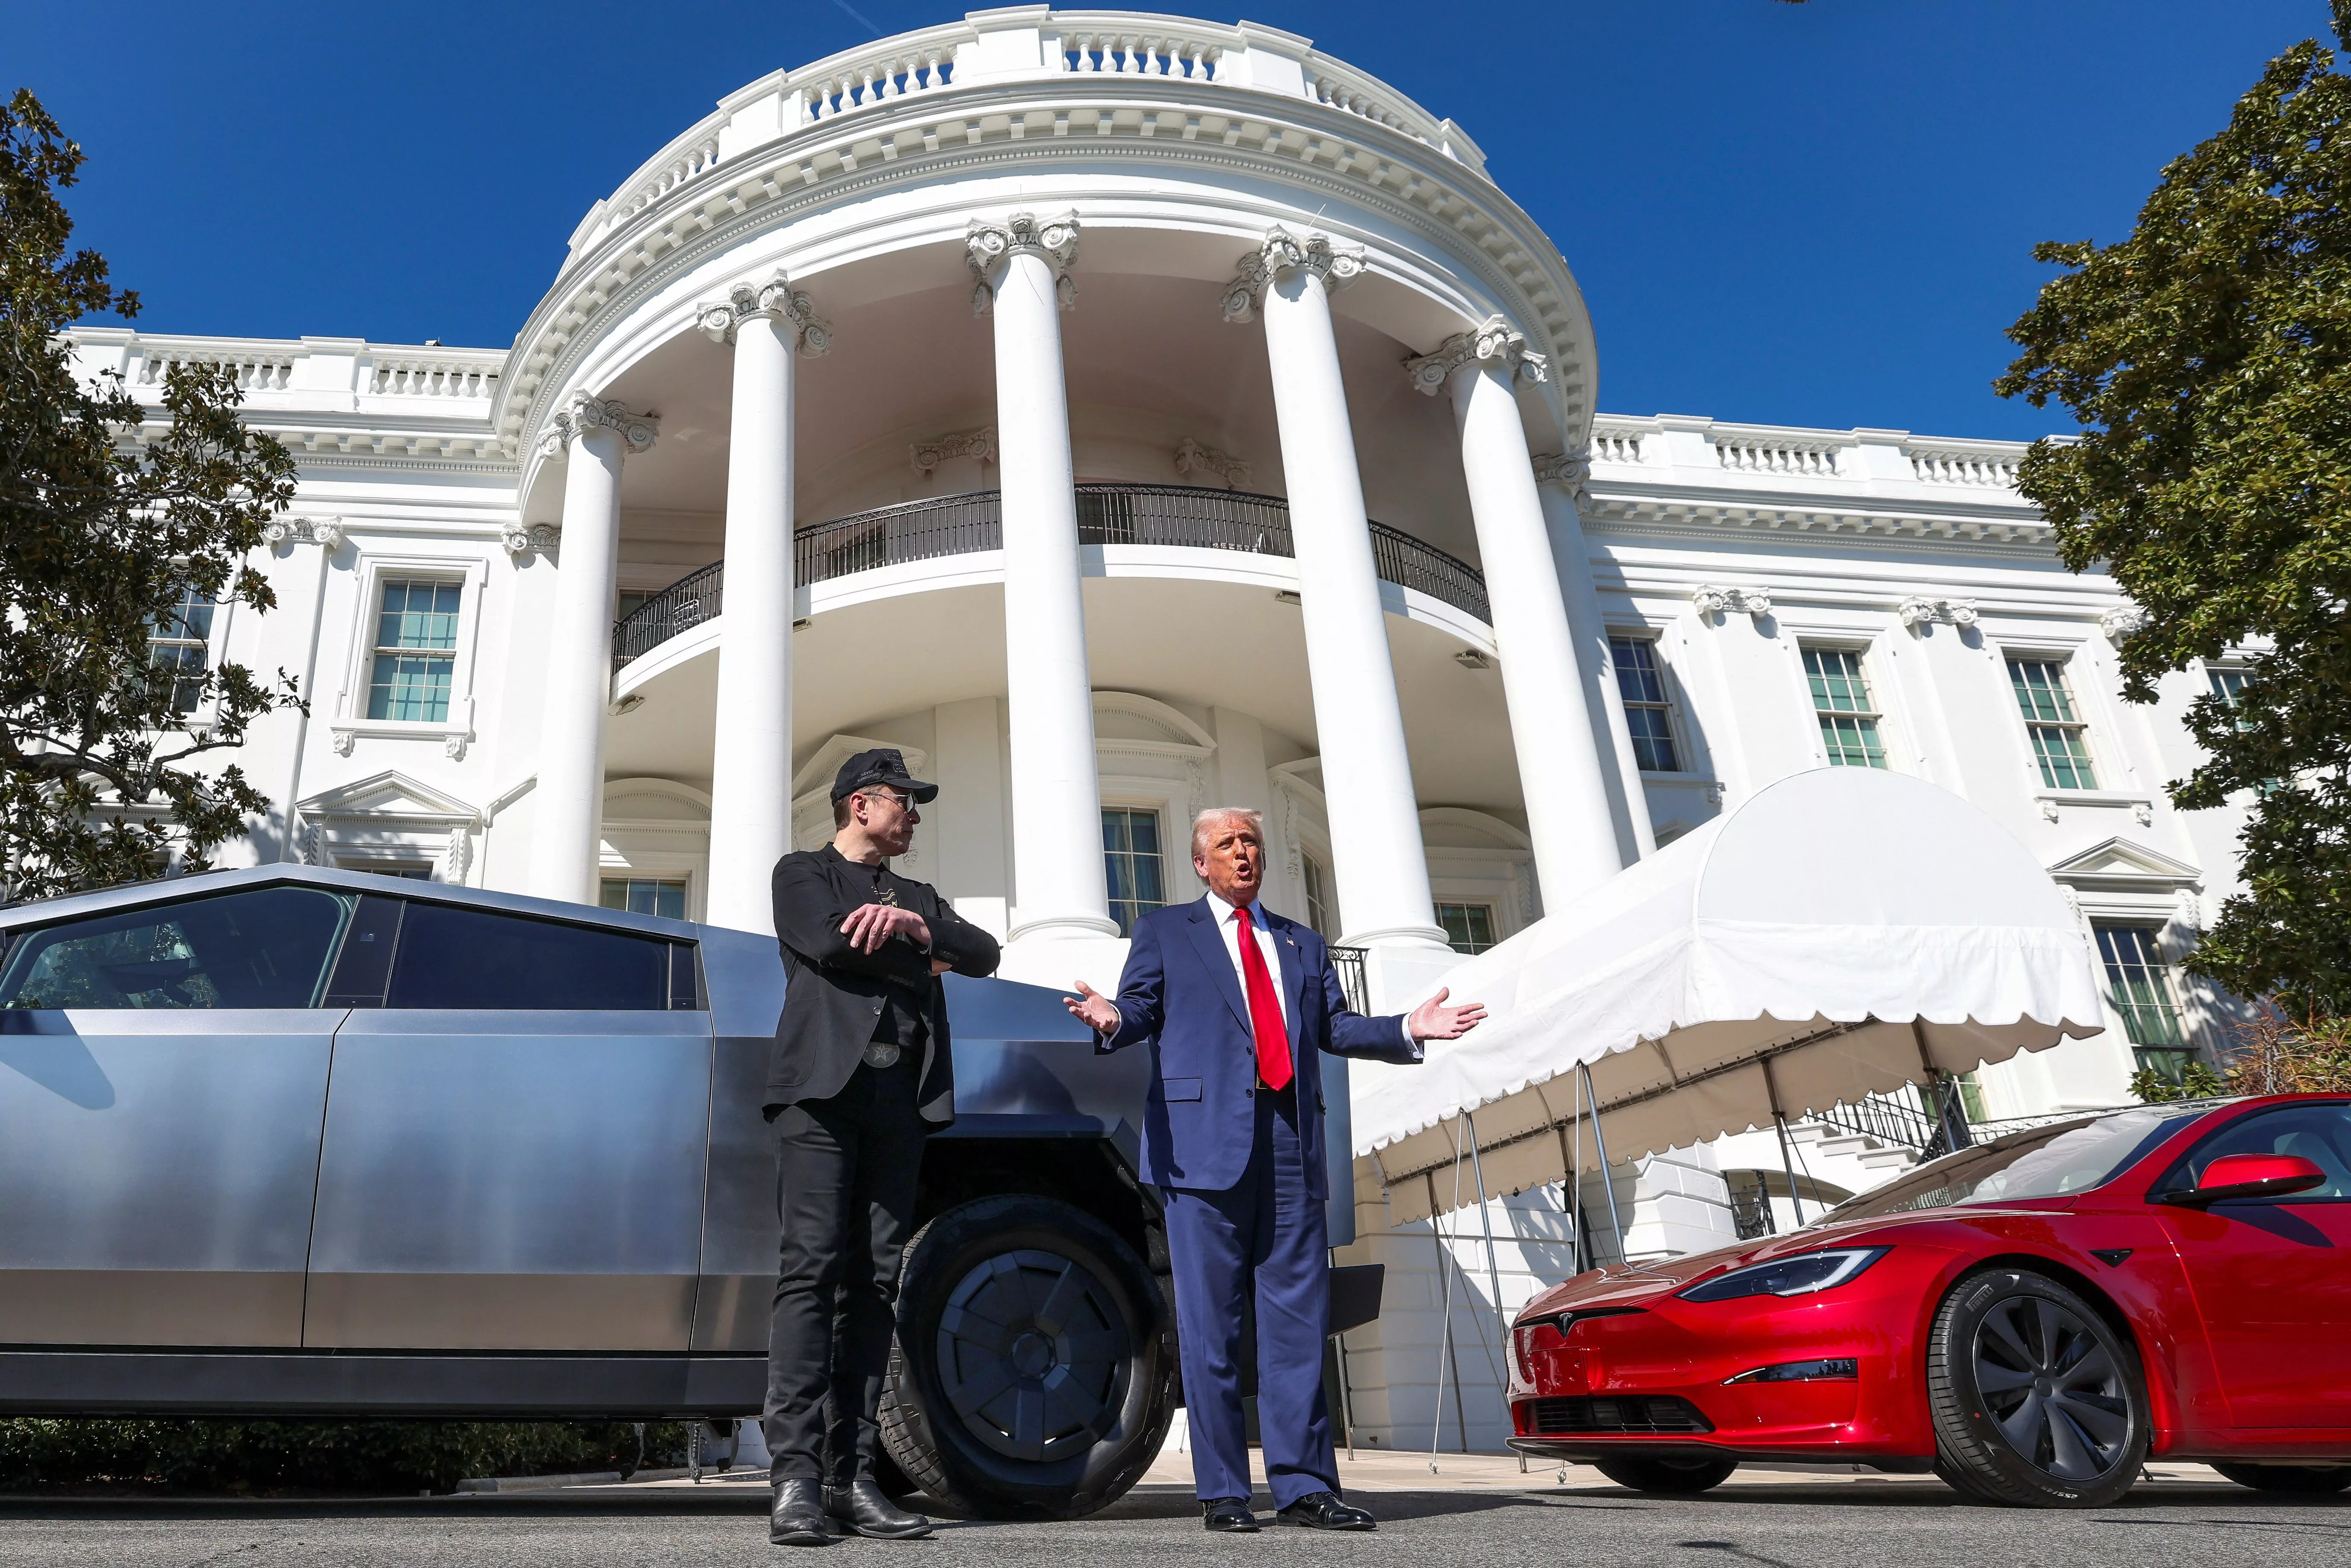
(1636, 1284)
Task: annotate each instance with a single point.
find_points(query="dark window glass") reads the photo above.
(2040, 1162)
(453, 958)
(2320, 1134)
(265, 947)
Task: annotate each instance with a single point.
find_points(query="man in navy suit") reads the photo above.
(1237, 1003)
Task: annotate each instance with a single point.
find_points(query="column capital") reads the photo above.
(1718, 599)
(1281, 251)
(988, 244)
(1919, 610)
(583, 412)
(1568, 470)
(1492, 341)
(775, 298)
(325, 532)
(928, 455)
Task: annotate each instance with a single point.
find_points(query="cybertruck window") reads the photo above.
(264, 947)
(2044, 1162)
(455, 958)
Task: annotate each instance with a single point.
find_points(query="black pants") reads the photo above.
(846, 1170)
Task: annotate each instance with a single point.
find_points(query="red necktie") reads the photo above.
(1265, 1009)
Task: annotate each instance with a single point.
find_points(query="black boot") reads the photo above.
(796, 1514)
(866, 1509)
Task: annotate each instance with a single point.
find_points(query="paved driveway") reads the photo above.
(1469, 1515)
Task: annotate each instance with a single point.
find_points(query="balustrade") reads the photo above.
(254, 372)
(1765, 454)
(1611, 447)
(432, 377)
(901, 74)
(1141, 54)
(1165, 516)
(1990, 469)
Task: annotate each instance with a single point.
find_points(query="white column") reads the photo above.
(1559, 774)
(1058, 887)
(1558, 478)
(593, 435)
(751, 761)
(1382, 871)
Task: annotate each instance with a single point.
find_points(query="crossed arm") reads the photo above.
(812, 920)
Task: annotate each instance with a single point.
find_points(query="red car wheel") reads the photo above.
(2037, 1401)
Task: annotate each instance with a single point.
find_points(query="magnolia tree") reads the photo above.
(2208, 360)
(121, 534)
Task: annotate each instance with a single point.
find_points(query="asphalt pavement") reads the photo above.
(1473, 1517)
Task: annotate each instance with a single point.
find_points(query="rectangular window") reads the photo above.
(1642, 685)
(1318, 894)
(1131, 859)
(415, 652)
(2229, 686)
(179, 645)
(415, 871)
(1841, 699)
(645, 895)
(2061, 742)
(1469, 928)
(2139, 985)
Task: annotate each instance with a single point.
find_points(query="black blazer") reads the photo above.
(832, 992)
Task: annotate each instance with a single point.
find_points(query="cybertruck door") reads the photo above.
(163, 1073)
(515, 1137)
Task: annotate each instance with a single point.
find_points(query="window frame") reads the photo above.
(1667, 704)
(632, 875)
(1159, 814)
(1493, 922)
(1874, 715)
(2091, 759)
(372, 573)
(2150, 931)
(216, 632)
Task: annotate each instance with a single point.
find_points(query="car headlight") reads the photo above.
(1800, 1275)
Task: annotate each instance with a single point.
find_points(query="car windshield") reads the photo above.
(2040, 1162)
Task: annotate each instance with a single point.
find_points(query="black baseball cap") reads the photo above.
(883, 765)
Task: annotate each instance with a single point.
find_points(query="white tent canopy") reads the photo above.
(1844, 931)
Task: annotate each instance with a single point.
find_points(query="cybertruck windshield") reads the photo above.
(2040, 1162)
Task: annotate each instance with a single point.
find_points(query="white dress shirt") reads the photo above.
(1226, 928)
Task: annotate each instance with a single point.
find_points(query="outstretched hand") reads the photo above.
(1434, 1020)
(1093, 1010)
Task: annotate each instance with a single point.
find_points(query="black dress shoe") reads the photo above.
(866, 1509)
(1229, 1514)
(796, 1515)
(1323, 1511)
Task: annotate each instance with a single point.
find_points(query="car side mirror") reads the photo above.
(2250, 1175)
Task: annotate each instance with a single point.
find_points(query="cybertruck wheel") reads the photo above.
(2288, 1478)
(1034, 1372)
(1666, 1475)
(2037, 1401)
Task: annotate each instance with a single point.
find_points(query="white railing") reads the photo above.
(901, 73)
(1934, 465)
(259, 371)
(1121, 52)
(1345, 90)
(1616, 446)
(433, 378)
(1775, 454)
(674, 170)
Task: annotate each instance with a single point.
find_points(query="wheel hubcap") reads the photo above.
(2057, 1397)
(1033, 1354)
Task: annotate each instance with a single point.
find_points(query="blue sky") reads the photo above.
(1814, 214)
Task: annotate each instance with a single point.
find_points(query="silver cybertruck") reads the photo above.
(292, 1141)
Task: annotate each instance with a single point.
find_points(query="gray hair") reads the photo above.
(1206, 823)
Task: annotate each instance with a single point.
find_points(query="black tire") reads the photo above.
(2288, 1478)
(2037, 1401)
(1666, 1475)
(967, 1413)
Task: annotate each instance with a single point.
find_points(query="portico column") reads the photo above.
(1382, 871)
(1022, 268)
(1560, 774)
(1559, 479)
(592, 435)
(751, 759)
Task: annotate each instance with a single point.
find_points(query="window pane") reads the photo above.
(2064, 759)
(2040, 689)
(263, 948)
(1834, 674)
(2320, 1134)
(2137, 986)
(1318, 901)
(2060, 744)
(1469, 928)
(1638, 679)
(2229, 686)
(1653, 741)
(1642, 688)
(410, 686)
(419, 615)
(1130, 863)
(455, 958)
(645, 895)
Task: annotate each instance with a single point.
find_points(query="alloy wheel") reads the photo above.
(2057, 1397)
(1031, 1351)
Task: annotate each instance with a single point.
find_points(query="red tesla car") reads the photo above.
(2030, 1319)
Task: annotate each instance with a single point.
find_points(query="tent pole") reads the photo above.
(1493, 1275)
(1575, 1241)
(1445, 1334)
(1779, 1125)
(1607, 1182)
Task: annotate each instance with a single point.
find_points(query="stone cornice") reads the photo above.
(1492, 341)
(776, 300)
(988, 245)
(1281, 251)
(1671, 509)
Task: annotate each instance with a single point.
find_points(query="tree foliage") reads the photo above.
(109, 528)
(2208, 358)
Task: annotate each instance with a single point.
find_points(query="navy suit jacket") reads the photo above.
(1180, 994)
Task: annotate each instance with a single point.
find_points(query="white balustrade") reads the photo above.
(1770, 455)
(1342, 91)
(1995, 470)
(264, 371)
(433, 378)
(1616, 446)
(674, 170)
(901, 74)
(1141, 54)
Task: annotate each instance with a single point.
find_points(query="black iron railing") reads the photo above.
(1173, 516)
(1349, 963)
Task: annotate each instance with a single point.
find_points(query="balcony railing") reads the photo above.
(1169, 516)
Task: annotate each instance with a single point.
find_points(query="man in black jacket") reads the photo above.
(863, 1071)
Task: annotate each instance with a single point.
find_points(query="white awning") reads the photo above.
(1841, 931)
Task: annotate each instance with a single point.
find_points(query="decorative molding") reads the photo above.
(2191, 909)
(1281, 251)
(460, 856)
(776, 299)
(986, 245)
(1719, 599)
(453, 745)
(2143, 813)
(2048, 810)
(2123, 622)
(540, 536)
(1918, 610)
(1197, 457)
(325, 532)
(345, 741)
(581, 413)
(928, 455)
(1569, 472)
(1493, 341)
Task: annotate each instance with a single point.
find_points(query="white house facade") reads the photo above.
(1124, 414)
